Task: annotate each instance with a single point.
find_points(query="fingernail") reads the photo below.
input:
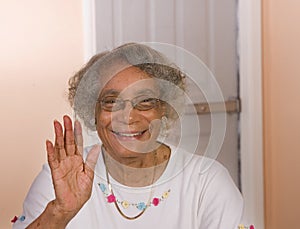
(48, 143)
(55, 122)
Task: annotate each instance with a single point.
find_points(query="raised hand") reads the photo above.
(72, 177)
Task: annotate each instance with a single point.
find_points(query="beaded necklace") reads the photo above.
(111, 198)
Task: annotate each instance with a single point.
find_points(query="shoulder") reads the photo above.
(37, 198)
(200, 166)
(213, 177)
(41, 190)
(218, 202)
(43, 180)
(219, 197)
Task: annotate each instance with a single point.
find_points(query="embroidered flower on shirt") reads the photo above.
(166, 194)
(155, 201)
(141, 206)
(102, 187)
(126, 204)
(16, 218)
(111, 198)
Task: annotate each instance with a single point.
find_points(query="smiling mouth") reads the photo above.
(129, 135)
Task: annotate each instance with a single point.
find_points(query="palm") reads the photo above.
(72, 184)
(72, 177)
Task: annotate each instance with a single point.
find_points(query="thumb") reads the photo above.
(92, 157)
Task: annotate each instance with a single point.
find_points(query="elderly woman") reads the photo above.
(131, 178)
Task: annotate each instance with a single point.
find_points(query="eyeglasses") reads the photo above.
(141, 103)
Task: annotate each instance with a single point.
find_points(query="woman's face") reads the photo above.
(126, 131)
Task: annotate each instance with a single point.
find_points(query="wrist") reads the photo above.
(52, 218)
(60, 217)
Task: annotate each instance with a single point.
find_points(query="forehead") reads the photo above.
(130, 80)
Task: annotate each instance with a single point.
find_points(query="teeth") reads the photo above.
(128, 134)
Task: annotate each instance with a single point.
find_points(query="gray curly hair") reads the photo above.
(85, 86)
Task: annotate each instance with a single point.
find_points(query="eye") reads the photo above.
(109, 100)
(146, 103)
(147, 100)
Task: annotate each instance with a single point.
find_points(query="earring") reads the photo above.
(93, 122)
(164, 126)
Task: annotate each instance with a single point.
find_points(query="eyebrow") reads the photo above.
(110, 92)
(146, 92)
(113, 92)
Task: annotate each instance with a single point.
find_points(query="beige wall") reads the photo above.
(41, 45)
(281, 78)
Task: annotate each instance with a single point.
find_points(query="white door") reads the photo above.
(207, 28)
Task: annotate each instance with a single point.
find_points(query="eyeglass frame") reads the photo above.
(132, 102)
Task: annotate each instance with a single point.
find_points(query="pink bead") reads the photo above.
(111, 198)
(251, 227)
(155, 201)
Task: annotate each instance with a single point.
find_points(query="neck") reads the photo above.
(139, 171)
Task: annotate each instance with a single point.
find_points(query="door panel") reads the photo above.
(207, 28)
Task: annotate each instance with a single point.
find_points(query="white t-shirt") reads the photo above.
(187, 196)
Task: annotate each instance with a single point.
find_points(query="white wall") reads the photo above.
(41, 45)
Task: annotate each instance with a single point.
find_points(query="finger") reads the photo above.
(59, 141)
(91, 160)
(78, 137)
(51, 155)
(69, 136)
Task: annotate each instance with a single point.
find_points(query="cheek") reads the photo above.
(106, 119)
(103, 120)
(153, 115)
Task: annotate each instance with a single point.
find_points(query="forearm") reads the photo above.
(51, 218)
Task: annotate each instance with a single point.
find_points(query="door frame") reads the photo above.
(251, 119)
(89, 28)
(251, 126)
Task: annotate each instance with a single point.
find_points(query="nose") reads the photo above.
(128, 114)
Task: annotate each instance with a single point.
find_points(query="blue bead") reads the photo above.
(141, 206)
(22, 218)
(102, 187)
